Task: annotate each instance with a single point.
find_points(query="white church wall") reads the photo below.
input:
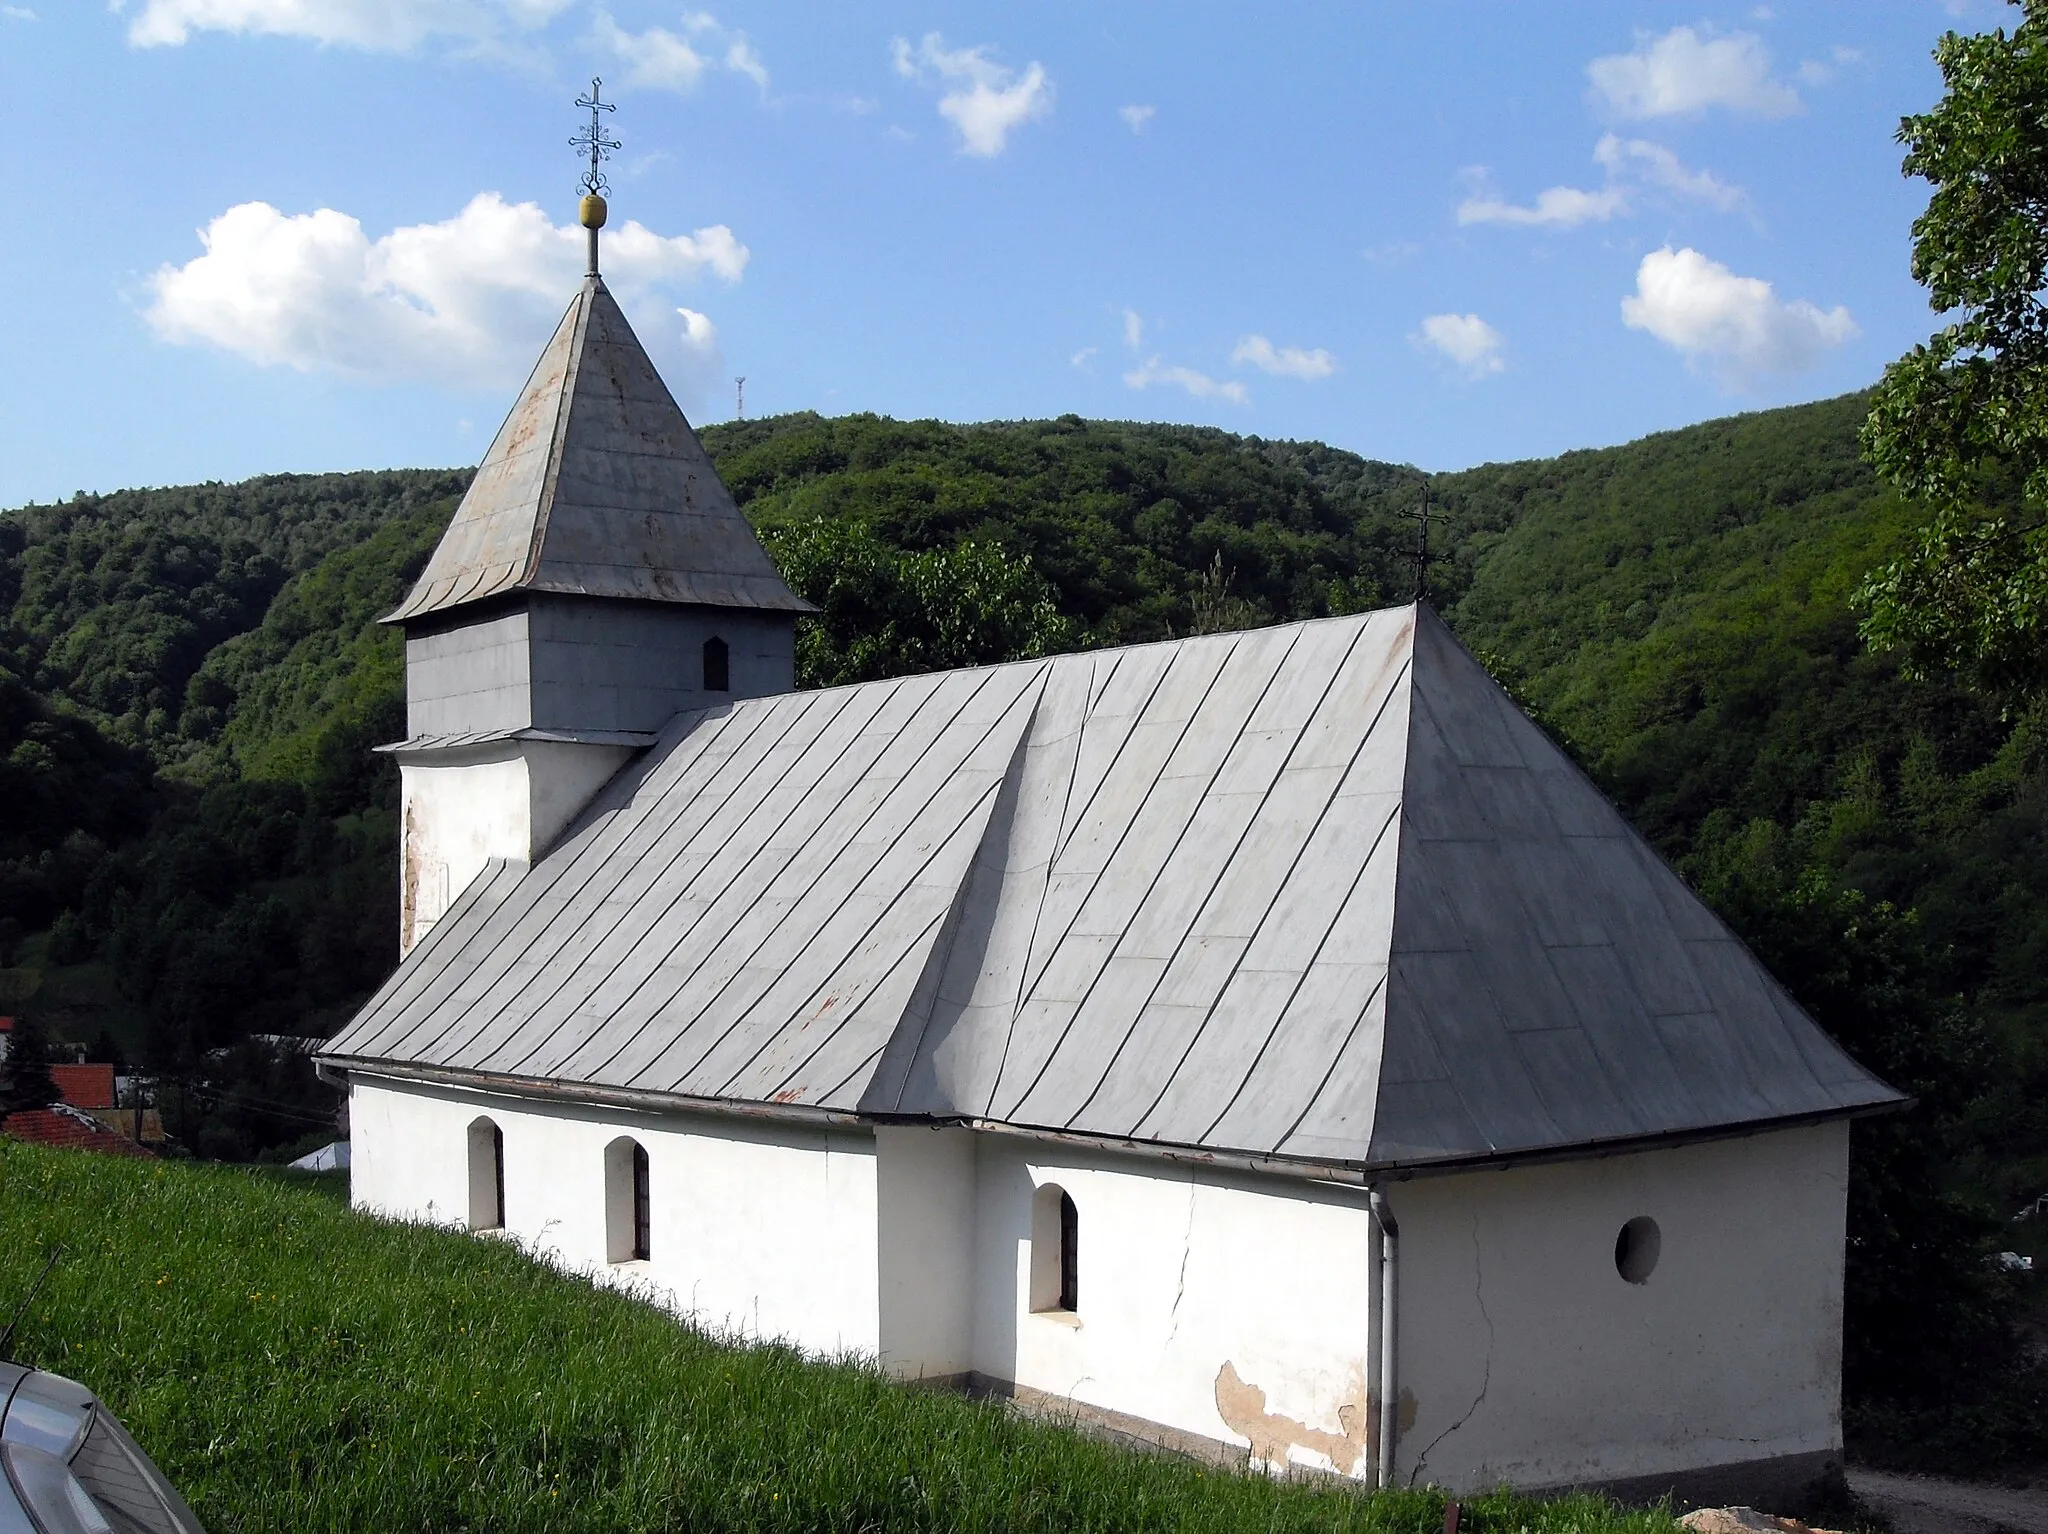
(925, 1185)
(1526, 1357)
(460, 808)
(1230, 1307)
(763, 1229)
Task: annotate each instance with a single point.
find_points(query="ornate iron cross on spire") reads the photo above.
(599, 145)
(594, 141)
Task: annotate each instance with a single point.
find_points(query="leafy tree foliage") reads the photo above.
(1962, 420)
(115, 601)
(1120, 520)
(884, 612)
(25, 1079)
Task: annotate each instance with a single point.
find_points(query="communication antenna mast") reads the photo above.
(739, 404)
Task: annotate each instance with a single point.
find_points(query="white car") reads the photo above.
(71, 1468)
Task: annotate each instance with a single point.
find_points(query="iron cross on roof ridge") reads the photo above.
(1421, 517)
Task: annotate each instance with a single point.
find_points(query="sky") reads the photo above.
(252, 236)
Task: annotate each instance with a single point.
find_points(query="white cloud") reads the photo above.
(395, 26)
(659, 59)
(1467, 340)
(1137, 118)
(1080, 358)
(1560, 207)
(1629, 163)
(17, 13)
(1200, 385)
(1660, 167)
(467, 301)
(656, 59)
(1134, 329)
(1685, 72)
(741, 59)
(983, 99)
(1735, 326)
(1286, 361)
(699, 334)
(1823, 71)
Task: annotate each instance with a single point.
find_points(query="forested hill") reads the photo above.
(196, 844)
(199, 841)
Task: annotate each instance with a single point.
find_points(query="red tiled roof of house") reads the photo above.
(85, 1086)
(70, 1128)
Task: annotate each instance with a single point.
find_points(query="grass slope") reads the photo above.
(296, 1366)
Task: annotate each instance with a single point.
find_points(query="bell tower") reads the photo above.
(596, 580)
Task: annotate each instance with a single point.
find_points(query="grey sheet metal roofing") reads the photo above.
(636, 739)
(1317, 892)
(596, 486)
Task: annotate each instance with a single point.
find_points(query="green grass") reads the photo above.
(295, 1366)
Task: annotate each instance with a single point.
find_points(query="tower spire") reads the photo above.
(598, 144)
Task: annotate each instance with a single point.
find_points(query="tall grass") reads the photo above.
(295, 1366)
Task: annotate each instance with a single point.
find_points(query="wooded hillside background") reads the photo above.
(197, 845)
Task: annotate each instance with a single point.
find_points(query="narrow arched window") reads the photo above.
(1070, 1254)
(1055, 1251)
(717, 666)
(486, 1176)
(642, 1214)
(628, 1202)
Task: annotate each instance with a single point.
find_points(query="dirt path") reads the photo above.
(1919, 1504)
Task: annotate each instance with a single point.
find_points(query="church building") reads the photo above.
(1263, 1043)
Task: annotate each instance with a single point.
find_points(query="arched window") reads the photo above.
(717, 666)
(1055, 1251)
(486, 1176)
(628, 1206)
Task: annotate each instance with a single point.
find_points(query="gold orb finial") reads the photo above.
(591, 211)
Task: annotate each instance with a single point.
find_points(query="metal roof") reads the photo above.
(1317, 892)
(596, 486)
(445, 741)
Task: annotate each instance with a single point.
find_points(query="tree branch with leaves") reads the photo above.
(1961, 422)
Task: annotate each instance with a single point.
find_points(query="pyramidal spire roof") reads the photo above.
(1319, 893)
(597, 486)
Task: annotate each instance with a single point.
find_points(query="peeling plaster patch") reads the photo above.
(409, 886)
(1243, 1407)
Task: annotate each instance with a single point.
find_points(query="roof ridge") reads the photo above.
(565, 402)
(906, 1044)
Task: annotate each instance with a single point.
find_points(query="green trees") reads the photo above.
(25, 1079)
(1962, 420)
(884, 612)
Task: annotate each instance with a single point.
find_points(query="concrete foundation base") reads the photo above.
(1789, 1485)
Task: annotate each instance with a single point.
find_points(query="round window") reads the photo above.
(1636, 1248)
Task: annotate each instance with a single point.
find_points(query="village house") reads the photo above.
(1261, 1042)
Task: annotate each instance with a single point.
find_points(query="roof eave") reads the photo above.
(1359, 1172)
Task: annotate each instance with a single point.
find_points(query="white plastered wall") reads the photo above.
(925, 1204)
(1231, 1307)
(461, 807)
(1527, 1358)
(762, 1229)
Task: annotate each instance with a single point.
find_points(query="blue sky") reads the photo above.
(258, 235)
